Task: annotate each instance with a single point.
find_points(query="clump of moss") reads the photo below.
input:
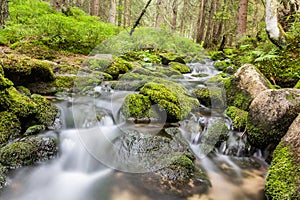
(23, 70)
(167, 57)
(10, 127)
(182, 68)
(23, 90)
(297, 86)
(211, 97)
(118, 66)
(13, 101)
(136, 106)
(35, 129)
(172, 97)
(283, 175)
(46, 112)
(238, 117)
(3, 171)
(5, 83)
(146, 56)
(28, 151)
(1, 71)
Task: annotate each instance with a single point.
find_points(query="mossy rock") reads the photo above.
(46, 111)
(5, 83)
(28, 151)
(297, 86)
(182, 68)
(34, 130)
(13, 101)
(136, 106)
(10, 127)
(24, 70)
(1, 70)
(282, 180)
(23, 90)
(211, 97)
(168, 57)
(3, 172)
(65, 69)
(172, 97)
(96, 64)
(238, 117)
(146, 56)
(35, 49)
(118, 66)
(216, 134)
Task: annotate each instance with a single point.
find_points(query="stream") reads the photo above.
(92, 164)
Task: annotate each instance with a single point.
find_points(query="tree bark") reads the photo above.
(158, 18)
(125, 13)
(175, 11)
(242, 18)
(120, 12)
(96, 7)
(201, 21)
(4, 12)
(209, 25)
(183, 16)
(112, 11)
(275, 33)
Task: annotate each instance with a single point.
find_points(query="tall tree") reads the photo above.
(96, 7)
(242, 17)
(201, 21)
(158, 14)
(112, 11)
(4, 12)
(175, 12)
(207, 42)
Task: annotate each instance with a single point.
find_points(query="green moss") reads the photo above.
(211, 97)
(182, 68)
(168, 57)
(33, 130)
(65, 69)
(238, 117)
(23, 70)
(23, 90)
(173, 97)
(10, 127)
(1, 70)
(64, 83)
(297, 86)
(136, 106)
(184, 163)
(4, 82)
(28, 151)
(3, 171)
(13, 101)
(283, 176)
(97, 64)
(146, 56)
(119, 66)
(216, 134)
(46, 112)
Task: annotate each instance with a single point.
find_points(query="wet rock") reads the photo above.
(182, 68)
(271, 114)
(238, 117)
(212, 97)
(10, 127)
(136, 106)
(28, 151)
(118, 66)
(166, 58)
(24, 70)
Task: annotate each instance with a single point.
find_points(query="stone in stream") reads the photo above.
(271, 114)
(283, 181)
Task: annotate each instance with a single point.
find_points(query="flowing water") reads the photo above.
(92, 167)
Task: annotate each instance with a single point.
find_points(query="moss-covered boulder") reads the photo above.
(118, 66)
(5, 83)
(28, 151)
(3, 171)
(182, 68)
(238, 117)
(34, 130)
(168, 57)
(136, 106)
(13, 101)
(10, 127)
(172, 97)
(46, 111)
(271, 114)
(24, 70)
(212, 97)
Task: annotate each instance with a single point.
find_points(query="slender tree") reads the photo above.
(242, 17)
(96, 7)
(4, 12)
(207, 42)
(175, 12)
(201, 21)
(112, 11)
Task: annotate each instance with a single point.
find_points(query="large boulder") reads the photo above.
(271, 114)
(282, 180)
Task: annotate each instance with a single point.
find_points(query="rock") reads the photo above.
(3, 172)
(248, 78)
(136, 106)
(271, 114)
(28, 151)
(34, 130)
(118, 66)
(238, 117)
(172, 97)
(166, 58)
(24, 70)
(10, 127)
(212, 97)
(182, 68)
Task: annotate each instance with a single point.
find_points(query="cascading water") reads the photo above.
(78, 173)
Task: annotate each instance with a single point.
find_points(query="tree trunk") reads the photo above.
(4, 12)
(242, 18)
(201, 22)
(276, 34)
(96, 7)
(175, 11)
(112, 11)
(158, 17)
(125, 13)
(209, 24)
(183, 16)
(120, 12)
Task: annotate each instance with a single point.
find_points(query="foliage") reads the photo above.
(33, 19)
